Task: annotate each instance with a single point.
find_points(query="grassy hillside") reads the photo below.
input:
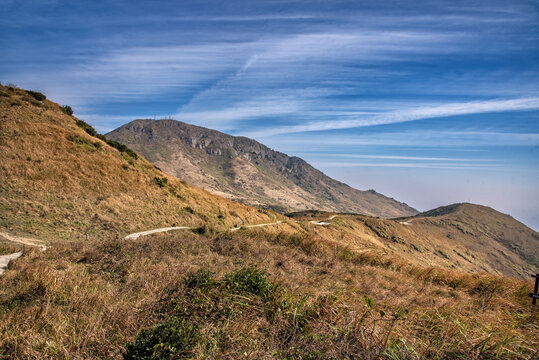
(242, 169)
(467, 237)
(481, 221)
(59, 182)
(153, 298)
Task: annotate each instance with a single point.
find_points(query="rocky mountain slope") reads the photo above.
(244, 170)
(59, 179)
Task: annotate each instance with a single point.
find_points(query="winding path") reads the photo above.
(409, 222)
(5, 259)
(153, 231)
(323, 223)
(256, 225)
(148, 232)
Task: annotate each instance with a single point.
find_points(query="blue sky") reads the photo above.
(430, 102)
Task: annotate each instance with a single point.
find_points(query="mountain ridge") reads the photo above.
(245, 170)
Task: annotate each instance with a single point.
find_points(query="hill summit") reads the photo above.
(247, 171)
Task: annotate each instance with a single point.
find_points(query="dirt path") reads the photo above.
(256, 225)
(153, 231)
(323, 223)
(148, 232)
(409, 222)
(5, 259)
(25, 241)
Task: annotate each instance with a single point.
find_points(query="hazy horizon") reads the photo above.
(431, 103)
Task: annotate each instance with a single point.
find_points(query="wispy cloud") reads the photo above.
(423, 139)
(450, 166)
(228, 118)
(406, 115)
(397, 157)
(304, 77)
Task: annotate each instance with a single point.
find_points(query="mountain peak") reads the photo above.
(245, 170)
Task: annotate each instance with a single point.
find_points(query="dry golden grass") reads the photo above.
(87, 300)
(56, 188)
(442, 242)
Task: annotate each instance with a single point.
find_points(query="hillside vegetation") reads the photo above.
(244, 170)
(266, 293)
(59, 182)
(467, 237)
(356, 287)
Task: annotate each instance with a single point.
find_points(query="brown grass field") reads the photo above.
(88, 300)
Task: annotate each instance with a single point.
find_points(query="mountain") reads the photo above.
(244, 170)
(480, 228)
(467, 237)
(59, 179)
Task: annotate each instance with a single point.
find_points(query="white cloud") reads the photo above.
(469, 141)
(227, 118)
(397, 157)
(450, 166)
(405, 115)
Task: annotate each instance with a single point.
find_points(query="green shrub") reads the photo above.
(66, 109)
(36, 95)
(173, 192)
(85, 143)
(161, 182)
(201, 230)
(251, 280)
(174, 339)
(88, 128)
(199, 301)
(118, 146)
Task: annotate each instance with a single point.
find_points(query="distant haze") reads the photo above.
(429, 102)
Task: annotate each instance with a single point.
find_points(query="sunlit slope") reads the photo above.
(58, 181)
(466, 237)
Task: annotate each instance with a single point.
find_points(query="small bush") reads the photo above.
(85, 143)
(88, 128)
(121, 148)
(161, 182)
(174, 339)
(201, 230)
(66, 109)
(201, 301)
(251, 280)
(36, 95)
(174, 192)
